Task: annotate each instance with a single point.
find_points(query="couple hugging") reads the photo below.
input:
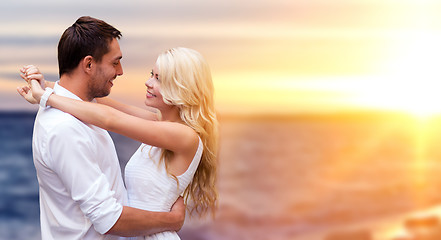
(82, 193)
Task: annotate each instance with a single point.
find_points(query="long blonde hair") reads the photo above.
(186, 83)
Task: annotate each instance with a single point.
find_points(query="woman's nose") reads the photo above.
(148, 83)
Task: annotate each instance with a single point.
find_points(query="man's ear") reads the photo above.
(87, 64)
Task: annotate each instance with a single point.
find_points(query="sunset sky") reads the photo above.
(279, 56)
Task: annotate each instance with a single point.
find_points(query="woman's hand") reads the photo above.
(33, 93)
(36, 83)
(32, 72)
(26, 93)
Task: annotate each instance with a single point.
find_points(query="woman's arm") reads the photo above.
(129, 109)
(173, 136)
(49, 84)
(32, 72)
(157, 133)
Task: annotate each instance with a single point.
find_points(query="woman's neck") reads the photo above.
(171, 115)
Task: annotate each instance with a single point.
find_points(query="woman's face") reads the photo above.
(153, 96)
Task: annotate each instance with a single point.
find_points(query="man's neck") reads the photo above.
(75, 85)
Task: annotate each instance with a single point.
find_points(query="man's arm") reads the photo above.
(137, 222)
(90, 189)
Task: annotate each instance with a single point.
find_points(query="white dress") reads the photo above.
(149, 187)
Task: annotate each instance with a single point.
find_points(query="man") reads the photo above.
(81, 189)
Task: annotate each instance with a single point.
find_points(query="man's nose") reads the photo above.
(119, 70)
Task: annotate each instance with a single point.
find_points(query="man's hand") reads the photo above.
(137, 222)
(178, 209)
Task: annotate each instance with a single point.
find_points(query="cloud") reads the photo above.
(16, 76)
(23, 40)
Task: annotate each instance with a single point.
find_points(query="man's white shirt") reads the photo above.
(80, 183)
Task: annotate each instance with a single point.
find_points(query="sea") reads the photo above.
(279, 177)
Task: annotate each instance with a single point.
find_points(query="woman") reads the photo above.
(179, 142)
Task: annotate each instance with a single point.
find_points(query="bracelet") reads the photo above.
(43, 100)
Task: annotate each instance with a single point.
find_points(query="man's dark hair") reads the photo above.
(88, 36)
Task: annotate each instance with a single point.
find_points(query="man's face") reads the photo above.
(106, 71)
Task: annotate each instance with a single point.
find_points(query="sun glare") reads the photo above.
(418, 70)
(413, 81)
(418, 99)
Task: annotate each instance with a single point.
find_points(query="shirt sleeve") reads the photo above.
(74, 158)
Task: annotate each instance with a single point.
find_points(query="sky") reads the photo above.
(279, 56)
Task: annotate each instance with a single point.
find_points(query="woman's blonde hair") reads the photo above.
(186, 83)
